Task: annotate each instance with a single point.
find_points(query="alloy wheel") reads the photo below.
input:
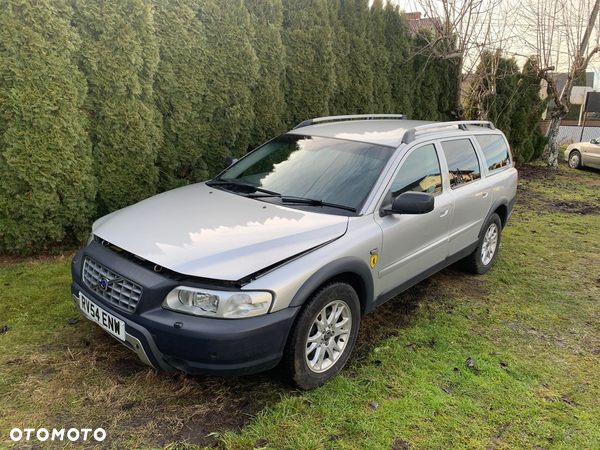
(328, 336)
(490, 242)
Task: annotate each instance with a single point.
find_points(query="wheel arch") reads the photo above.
(501, 207)
(349, 270)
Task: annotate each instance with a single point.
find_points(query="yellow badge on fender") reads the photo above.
(373, 260)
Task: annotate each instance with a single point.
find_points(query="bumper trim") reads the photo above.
(138, 348)
(131, 342)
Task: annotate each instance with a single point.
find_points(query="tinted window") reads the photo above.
(420, 172)
(462, 162)
(495, 151)
(331, 170)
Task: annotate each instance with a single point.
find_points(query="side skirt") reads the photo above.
(392, 292)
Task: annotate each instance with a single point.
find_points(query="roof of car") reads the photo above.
(380, 132)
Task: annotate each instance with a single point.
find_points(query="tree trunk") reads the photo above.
(563, 104)
(552, 147)
(459, 111)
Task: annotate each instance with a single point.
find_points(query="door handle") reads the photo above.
(445, 213)
(485, 194)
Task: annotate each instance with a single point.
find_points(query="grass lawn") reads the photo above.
(531, 325)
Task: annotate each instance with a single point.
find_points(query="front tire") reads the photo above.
(575, 160)
(482, 259)
(323, 336)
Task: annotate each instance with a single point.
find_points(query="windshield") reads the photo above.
(331, 170)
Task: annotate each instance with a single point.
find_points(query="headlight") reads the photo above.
(219, 304)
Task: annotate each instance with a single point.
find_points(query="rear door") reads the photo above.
(471, 192)
(414, 243)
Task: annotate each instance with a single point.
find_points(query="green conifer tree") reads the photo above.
(179, 90)
(310, 75)
(381, 63)
(266, 17)
(356, 96)
(401, 71)
(231, 73)
(426, 85)
(46, 185)
(434, 81)
(340, 46)
(119, 56)
(526, 137)
(510, 98)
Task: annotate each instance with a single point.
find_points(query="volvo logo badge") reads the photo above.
(104, 283)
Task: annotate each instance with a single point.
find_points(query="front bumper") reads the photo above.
(198, 344)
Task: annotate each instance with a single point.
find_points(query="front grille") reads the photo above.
(119, 291)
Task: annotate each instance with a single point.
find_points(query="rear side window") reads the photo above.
(463, 165)
(420, 172)
(495, 151)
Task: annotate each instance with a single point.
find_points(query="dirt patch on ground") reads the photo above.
(552, 183)
(574, 207)
(387, 320)
(537, 173)
(529, 198)
(227, 404)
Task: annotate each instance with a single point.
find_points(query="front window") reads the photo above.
(331, 170)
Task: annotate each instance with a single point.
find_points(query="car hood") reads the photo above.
(201, 231)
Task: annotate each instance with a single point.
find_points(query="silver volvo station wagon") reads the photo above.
(277, 259)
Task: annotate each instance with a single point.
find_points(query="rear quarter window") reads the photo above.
(495, 150)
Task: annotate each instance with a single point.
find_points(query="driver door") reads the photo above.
(413, 244)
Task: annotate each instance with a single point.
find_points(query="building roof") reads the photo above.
(415, 22)
(380, 132)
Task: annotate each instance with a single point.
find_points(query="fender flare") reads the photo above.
(348, 264)
(502, 201)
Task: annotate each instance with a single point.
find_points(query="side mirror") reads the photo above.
(229, 161)
(412, 203)
(593, 141)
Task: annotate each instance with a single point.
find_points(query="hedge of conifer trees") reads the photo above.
(514, 105)
(106, 102)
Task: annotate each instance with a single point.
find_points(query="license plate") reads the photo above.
(110, 323)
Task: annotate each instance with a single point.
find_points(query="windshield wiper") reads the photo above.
(308, 201)
(315, 202)
(246, 185)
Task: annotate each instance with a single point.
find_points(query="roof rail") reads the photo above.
(356, 116)
(410, 135)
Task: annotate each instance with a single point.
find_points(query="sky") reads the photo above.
(516, 45)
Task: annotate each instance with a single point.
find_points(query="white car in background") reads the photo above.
(583, 154)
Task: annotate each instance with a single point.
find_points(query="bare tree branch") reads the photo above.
(556, 24)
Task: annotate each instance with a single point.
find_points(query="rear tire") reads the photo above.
(480, 261)
(322, 336)
(575, 160)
